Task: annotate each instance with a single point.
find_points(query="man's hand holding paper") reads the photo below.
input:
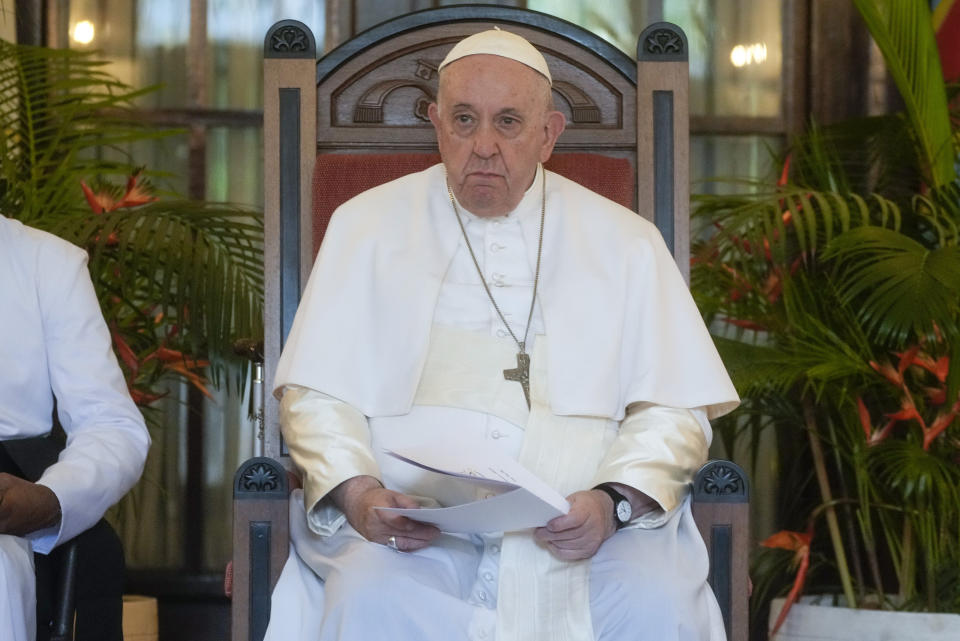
(516, 498)
(362, 500)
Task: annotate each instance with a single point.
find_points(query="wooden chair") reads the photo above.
(357, 117)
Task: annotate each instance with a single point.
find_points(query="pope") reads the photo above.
(487, 300)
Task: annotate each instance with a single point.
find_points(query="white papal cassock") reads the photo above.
(54, 343)
(395, 341)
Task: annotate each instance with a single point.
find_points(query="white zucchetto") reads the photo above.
(496, 42)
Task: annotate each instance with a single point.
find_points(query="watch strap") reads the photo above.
(617, 498)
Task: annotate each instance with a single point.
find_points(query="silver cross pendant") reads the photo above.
(521, 374)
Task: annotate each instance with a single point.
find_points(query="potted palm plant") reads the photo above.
(834, 294)
(177, 279)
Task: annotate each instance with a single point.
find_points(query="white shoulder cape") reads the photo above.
(623, 327)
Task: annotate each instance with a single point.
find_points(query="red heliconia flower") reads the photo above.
(784, 175)
(135, 194)
(741, 284)
(936, 395)
(873, 436)
(864, 418)
(144, 398)
(773, 287)
(126, 354)
(939, 368)
(184, 365)
(908, 411)
(102, 201)
(907, 359)
(99, 202)
(799, 543)
(887, 371)
(941, 423)
(746, 324)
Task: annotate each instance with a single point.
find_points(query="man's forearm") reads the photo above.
(350, 490)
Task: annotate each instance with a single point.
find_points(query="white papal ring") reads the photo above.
(392, 542)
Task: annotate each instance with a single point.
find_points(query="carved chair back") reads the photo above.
(370, 96)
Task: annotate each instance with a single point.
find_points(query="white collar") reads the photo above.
(529, 205)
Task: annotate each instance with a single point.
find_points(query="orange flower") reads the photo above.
(99, 202)
(887, 371)
(941, 423)
(176, 361)
(799, 543)
(746, 324)
(134, 196)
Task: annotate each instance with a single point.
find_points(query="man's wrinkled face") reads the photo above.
(494, 125)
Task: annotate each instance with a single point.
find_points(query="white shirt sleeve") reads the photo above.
(107, 440)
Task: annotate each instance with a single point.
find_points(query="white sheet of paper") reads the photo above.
(524, 500)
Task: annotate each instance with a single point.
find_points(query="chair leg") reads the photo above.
(66, 595)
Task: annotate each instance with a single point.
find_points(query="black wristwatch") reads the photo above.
(622, 511)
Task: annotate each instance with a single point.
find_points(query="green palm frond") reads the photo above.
(755, 369)
(59, 111)
(791, 220)
(816, 355)
(903, 33)
(867, 155)
(915, 476)
(898, 285)
(199, 264)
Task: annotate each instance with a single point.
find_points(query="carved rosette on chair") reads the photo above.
(721, 482)
(662, 41)
(260, 478)
(289, 39)
(721, 498)
(260, 526)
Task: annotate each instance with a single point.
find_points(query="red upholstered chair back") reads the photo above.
(339, 177)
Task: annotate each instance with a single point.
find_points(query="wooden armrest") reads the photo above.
(721, 508)
(261, 540)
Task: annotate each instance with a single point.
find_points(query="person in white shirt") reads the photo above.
(55, 352)
(488, 300)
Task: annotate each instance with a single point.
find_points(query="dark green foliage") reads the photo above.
(836, 288)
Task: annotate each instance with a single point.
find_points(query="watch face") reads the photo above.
(624, 511)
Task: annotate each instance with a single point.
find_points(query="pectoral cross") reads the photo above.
(521, 374)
